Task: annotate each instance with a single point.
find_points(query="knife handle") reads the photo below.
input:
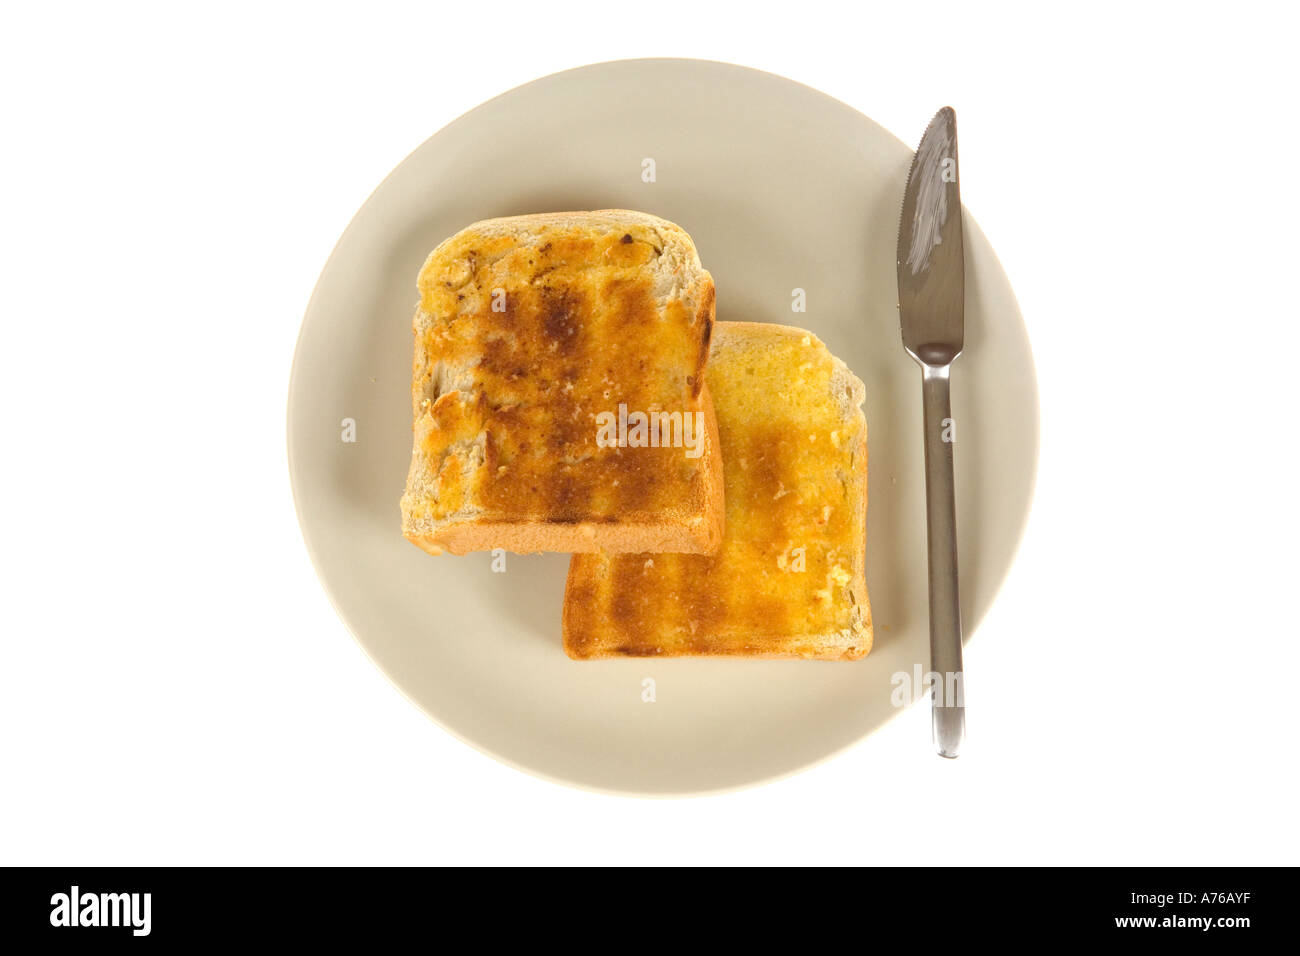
(949, 709)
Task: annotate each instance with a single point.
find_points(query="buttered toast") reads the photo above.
(789, 578)
(531, 334)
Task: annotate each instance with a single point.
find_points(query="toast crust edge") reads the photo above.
(698, 534)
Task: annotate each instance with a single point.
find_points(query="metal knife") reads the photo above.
(931, 302)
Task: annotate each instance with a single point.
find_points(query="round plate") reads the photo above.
(782, 188)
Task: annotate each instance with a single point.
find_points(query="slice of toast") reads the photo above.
(789, 579)
(532, 333)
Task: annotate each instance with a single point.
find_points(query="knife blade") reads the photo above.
(931, 311)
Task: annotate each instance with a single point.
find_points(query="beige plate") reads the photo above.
(781, 187)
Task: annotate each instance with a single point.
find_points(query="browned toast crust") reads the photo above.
(795, 458)
(527, 330)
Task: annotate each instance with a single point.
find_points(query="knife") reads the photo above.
(931, 301)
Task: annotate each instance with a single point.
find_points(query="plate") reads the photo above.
(782, 189)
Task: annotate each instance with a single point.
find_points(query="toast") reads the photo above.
(789, 578)
(536, 339)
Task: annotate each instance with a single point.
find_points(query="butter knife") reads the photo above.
(931, 300)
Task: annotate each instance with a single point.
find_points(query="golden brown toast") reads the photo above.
(528, 331)
(789, 578)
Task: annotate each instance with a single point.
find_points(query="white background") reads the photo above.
(174, 686)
